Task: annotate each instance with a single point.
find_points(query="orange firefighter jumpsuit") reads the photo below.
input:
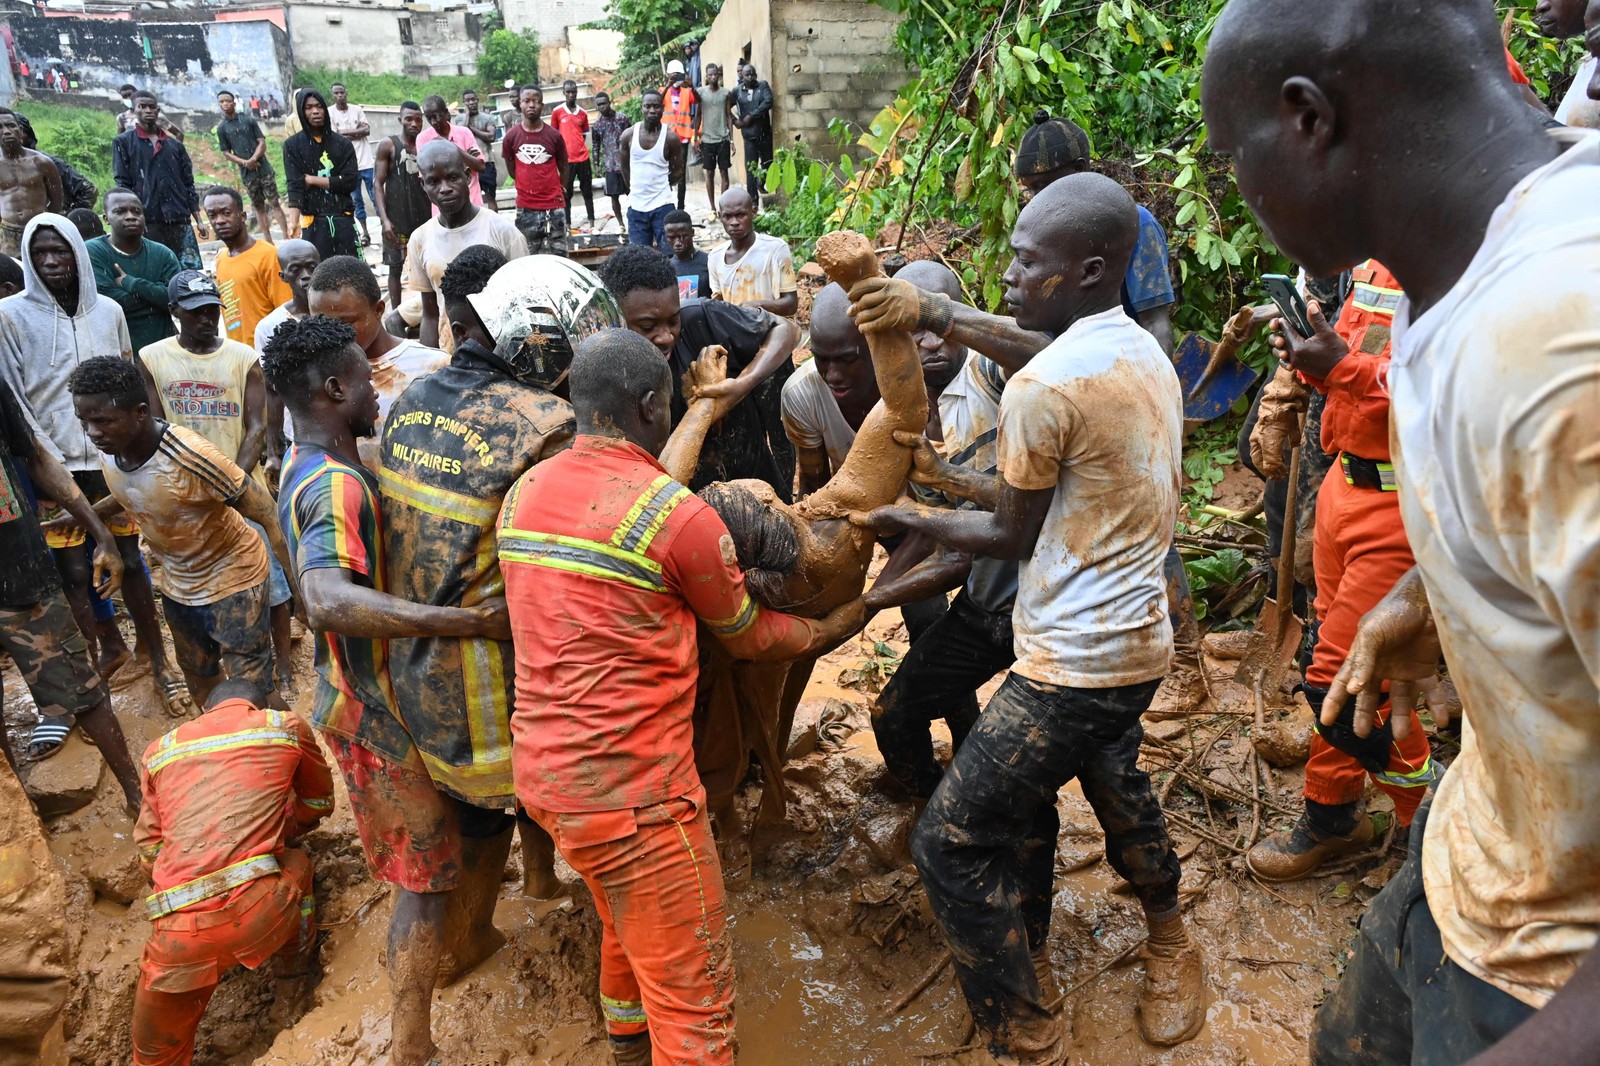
(604, 600)
(223, 794)
(1361, 545)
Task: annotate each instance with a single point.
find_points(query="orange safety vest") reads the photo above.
(675, 108)
(1356, 418)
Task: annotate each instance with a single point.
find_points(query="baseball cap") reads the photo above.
(675, 67)
(192, 290)
(1051, 144)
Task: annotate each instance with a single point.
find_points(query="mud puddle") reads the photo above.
(832, 929)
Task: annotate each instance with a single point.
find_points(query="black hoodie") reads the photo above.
(330, 156)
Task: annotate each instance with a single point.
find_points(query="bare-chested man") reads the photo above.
(29, 185)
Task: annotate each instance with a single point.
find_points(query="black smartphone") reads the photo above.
(1282, 291)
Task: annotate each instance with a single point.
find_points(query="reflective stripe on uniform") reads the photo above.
(648, 514)
(623, 1011)
(159, 904)
(169, 750)
(580, 556)
(436, 501)
(741, 621)
(1422, 778)
(317, 804)
(1386, 479)
(1373, 298)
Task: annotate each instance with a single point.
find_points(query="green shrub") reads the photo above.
(384, 90)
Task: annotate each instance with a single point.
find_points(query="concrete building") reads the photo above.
(379, 36)
(563, 44)
(825, 59)
(185, 63)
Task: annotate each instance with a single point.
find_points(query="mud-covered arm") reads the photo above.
(255, 422)
(874, 472)
(919, 568)
(255, 503)
(880, 303)
(1008, 532)
(337, 603)
(313, 781)
(681, 456)
(147, 835)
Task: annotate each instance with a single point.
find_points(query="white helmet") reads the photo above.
(538, 309)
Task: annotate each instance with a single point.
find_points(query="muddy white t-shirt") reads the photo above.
(1098, 417)
(811, 416)
(764, 272)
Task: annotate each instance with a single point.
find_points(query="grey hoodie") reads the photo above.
(40, 345)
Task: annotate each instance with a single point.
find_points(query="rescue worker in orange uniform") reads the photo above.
(224, 797)
(680, 113)
(1360, 552)
(604, 599)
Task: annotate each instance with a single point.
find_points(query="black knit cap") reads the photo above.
(1052, 144)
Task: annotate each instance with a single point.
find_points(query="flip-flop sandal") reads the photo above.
(47, 738)
(175, 695)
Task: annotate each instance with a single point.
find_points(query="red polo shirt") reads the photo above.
(608, 563)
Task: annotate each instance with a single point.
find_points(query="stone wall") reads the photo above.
(825, 59)
(384, 38)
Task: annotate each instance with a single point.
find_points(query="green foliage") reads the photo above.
(1548, 64)
(1208, 449)
(81, 137)
(509, 55)
(810, 191)
(384, 90)
(653, 32)
(1212, 576)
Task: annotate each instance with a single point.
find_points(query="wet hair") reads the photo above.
(237, 688)
(222, 190)
(678, 218)
(469, 272)
(638, 266)
(339, 272)
(88, 223)
(1051, 144)
(763, 539)
(435, 101)
(612, 371)
(302, 353)
(410, 105)
(118, 190)
(11, 272)
(111, 376)
(144, 94)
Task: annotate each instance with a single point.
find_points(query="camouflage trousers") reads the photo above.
(51, 655)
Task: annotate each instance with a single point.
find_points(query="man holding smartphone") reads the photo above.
(1361, 551)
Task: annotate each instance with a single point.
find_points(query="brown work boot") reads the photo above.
(635, 1052)
(1172, 1003)
(1296, 853)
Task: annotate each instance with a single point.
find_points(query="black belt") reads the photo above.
(1368, 473)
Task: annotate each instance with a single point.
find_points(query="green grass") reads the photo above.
(386, 89)
(80, 135)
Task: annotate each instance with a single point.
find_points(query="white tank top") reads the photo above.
(650, 187)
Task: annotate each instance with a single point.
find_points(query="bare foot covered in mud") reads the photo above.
(458, 960)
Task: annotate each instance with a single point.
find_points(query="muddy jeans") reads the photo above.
(1401, 1002)
(939, 678)
(986, 845)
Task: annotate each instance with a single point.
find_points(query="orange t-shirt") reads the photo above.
(251, 289)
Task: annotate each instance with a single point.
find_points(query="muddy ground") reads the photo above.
(832, 928)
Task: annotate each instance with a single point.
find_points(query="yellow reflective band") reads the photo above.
(654, 517)
(223, 742)
(160, 904)
(622, 1010)
(741, 621)
(1422, 778)
(436, 501)
(646, 498)
(318, 804)
(1372, 298)
(508, 510)
(579, 556)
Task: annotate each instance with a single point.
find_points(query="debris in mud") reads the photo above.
(66, 781)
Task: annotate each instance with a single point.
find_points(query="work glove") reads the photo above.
(1277, 423)
(881, 303)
